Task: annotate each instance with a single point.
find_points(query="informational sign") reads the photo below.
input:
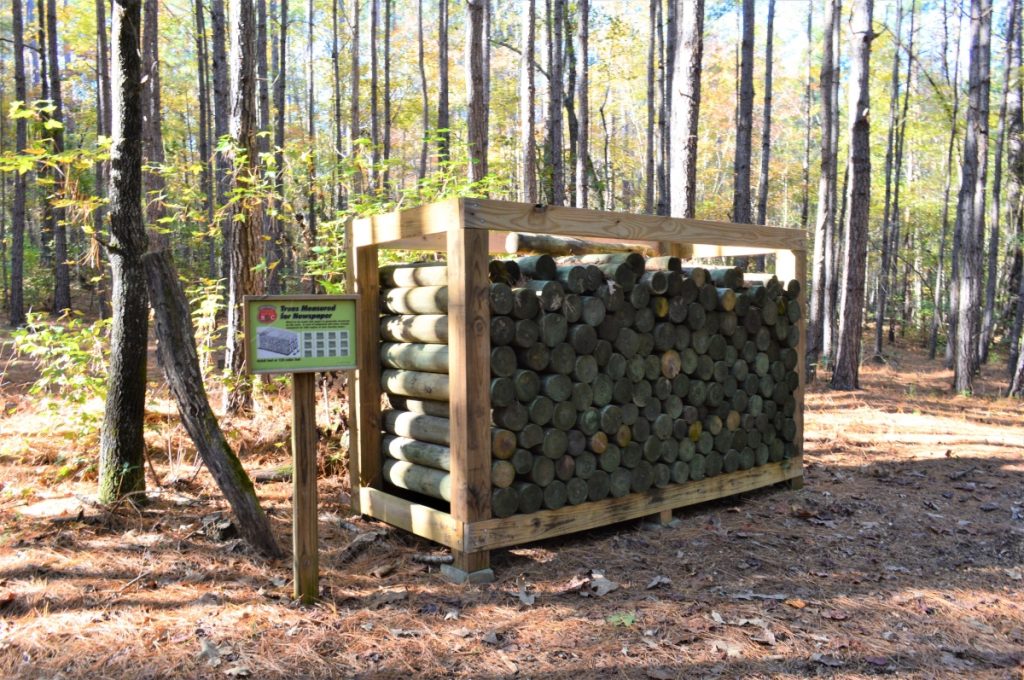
(300, 333)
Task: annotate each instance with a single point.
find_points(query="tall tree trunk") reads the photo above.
(954, 85)
(661, 203)
(425, 110)
(1015, 179)
(555, 103)
(569, 99)
(527, 102)
(309, 224)
(582, 101)
(275, 244)
(262, 75)
(152, 132)
(62, 272)
(833, 241)
(47, 222)
(206, 176)
(888, 216)
(744, 120)
(221, 115)
(845, 376)
(651, 98)
(243, 248)
(671, 19)
(355, 130)
(806, 193)
(374, 94)
(766, 121)
(988, 320)
(336, 191)
(122, 447)
(443, 123)
(476, 89)
(17, 295)
(387, 87)
(971, 201)
(685, 108)
(605, 194)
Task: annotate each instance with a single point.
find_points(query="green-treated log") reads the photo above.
(531, 497)
(563, 359)
(540, 409)
(512, 417)
(503, 473)
(577, 442)
(626, 342)
(416, 384)
(664, 335)
(642, 393)
(418, 478)
(592, 311)
(679, 472)
(644, 320)
(698, 275)
(698, 466)
(576, 491)
(557, 386)
(582, 395)
(662, 475)
(431, 328)
(588, 421)
(411, 275)
(707, 296)
(619, 482)
(526, 333)
(696, 315)
(681, 386)
(641, 477)
(522, 461)
(572, 307)
(543, 471)
(526, 384)
(413, 451)
(584, 369)
(510, 273)
(525, 304)
(633, 260)
(537, 266)
(663, 262)
(598, 442)
(420, 300)
(612, 295)
(530, 436)
(504, 502)
(502, 391)
(659, 306)
(582, 338)
(598, 486)
(564, 415)
(611, 419)
(554, 445)
(565, 467)
(550, 294)
(631, 454)
(415, 356)
(553, 329)
(535, 357)
(573, 278)
(604, 389)
(639, 297)
(503, 361)
(726, 299)
(503, 330)
(621, 274)
(713, 464)
(730, 277)
(610, 459)
(423, 406)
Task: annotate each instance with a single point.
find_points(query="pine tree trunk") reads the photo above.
(17, 294)
(355, 130)
(744, 120)
(221, 115)
(766, 121)
(527, 102)
(336, 190)
(845, 376)
(556, 93)
(425, 109)
(152, 133)
(661, 202)
(476, 90)
(443, 122)
(374, 92)
(988, 319)
(62, 272)
(582, 102)
(275, 244)
(651, 98)
(685, 108)
(46, 222)
(262, 75)
(122, 447)
(806, 192)
(243, 248)
(387, 87)
(206, 176)
(309, 224)
(833, 240)
(971, 201)
(1015, 179)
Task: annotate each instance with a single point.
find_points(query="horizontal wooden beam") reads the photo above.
(406, 228)
(479, 213)
(704, 250)
(421, 520)
(520, 529)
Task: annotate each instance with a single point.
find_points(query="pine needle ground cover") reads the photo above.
(903, 554)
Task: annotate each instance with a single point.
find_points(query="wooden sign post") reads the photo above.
(302, 335)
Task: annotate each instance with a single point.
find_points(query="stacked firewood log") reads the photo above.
(610, 374)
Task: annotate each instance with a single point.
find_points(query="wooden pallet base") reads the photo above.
(478, 537)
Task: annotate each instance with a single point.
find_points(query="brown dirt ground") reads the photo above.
(903, 555)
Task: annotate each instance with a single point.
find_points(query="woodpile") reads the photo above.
(611, 374)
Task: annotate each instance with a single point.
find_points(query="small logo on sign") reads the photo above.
(267, 314)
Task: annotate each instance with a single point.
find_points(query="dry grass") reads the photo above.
(903, 555)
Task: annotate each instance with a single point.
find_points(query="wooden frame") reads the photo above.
(467, 229)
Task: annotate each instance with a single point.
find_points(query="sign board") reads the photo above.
(300, 333)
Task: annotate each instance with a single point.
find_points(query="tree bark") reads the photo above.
(177, 348)
(847, 366)
(556, 162)
(897, 223)
(766, 120)
(971, 201)
(582, 102)
(152, 132)
(355, 131)
(243, 247)
(425, 109)
(476, 89)
(374, 92)
(337, 156)
(744, 120)
(686, 105)
(651, 97)
(1015, 168)
(527, 103)
(62, 272)
(274, 245)
(221, 116)
(17, 295)
(988, 319)
(206, 176)
(443, 121)
(824, 225)
(262, 75)
(806, 197)
(121, 442)
(387, 88)
(661, 202)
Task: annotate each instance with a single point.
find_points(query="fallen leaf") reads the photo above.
(382, 570)
(835, 615)
(238, 672)
(624, 619)
(659, 581)
(796, 603)
(525, 597)
(826, 660)
(877, 660)
(717, 618)
(491, 638)
(988, 507)
(661, 674)
(599, 587)
(462, 632)
(730, 649)
(451, 615)
(766, 637)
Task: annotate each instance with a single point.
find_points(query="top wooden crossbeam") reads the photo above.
(423, 227)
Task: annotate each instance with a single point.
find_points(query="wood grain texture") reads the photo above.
(488, 214)
(306, 561)
(407, 225)
(421, 520)
(365, 466)
(350, 381)
(792, 264)
(469, 372)
(520, 529)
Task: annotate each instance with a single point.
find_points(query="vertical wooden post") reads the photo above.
(792, 264)
(365, 464)
(306, 565)
(469, 377)
(350, 382)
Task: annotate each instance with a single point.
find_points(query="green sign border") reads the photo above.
(250, 302)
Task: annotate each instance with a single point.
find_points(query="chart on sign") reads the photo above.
(324, 343)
